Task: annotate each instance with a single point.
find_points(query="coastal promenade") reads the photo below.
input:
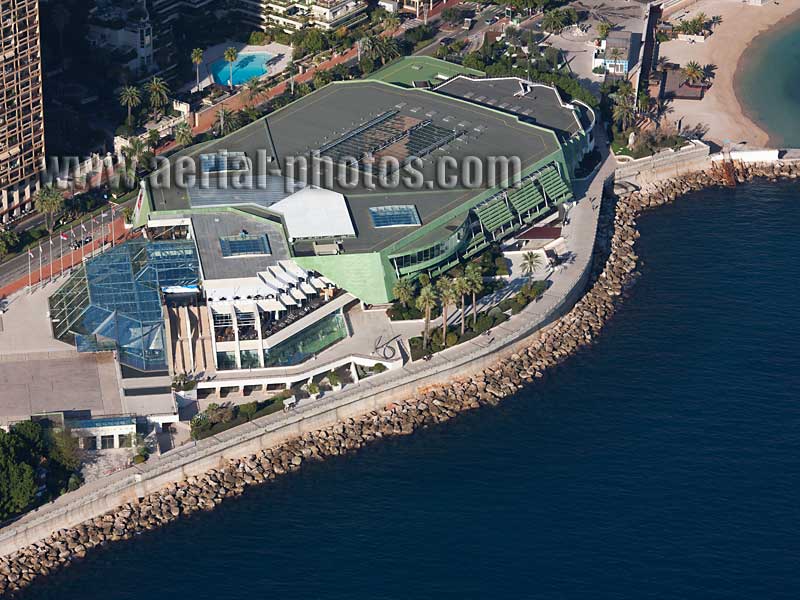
(372, 394)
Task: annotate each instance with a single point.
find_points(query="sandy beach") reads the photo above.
(720, 110)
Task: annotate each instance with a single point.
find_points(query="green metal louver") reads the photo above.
(526, 198)
(494, 214)
(554, 185)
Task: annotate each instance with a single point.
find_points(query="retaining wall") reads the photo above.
(371, 394)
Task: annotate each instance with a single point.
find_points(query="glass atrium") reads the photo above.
(113, 301)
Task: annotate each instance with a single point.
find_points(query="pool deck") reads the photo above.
(280, 53)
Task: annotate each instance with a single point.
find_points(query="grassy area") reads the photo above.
(216, 419)
(619, 149)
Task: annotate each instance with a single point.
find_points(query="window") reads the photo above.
(107, 442)
(244, 245)
(398, 215)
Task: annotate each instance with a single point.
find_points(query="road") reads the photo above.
(46, 253)
(457, 33)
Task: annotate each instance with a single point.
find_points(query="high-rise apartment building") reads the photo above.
(21, 113)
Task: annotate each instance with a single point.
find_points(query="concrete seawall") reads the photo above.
(418, 395)
(372, 394)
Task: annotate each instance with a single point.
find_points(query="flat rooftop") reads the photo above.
(214, 231)
(533, 103)
(344, 119)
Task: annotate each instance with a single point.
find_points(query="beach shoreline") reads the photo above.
(742, 64)
(722, 110)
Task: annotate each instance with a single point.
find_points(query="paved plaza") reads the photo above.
(41, 374)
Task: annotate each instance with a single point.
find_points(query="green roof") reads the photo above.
(409, 69)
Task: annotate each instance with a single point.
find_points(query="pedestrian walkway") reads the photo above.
(45, 264)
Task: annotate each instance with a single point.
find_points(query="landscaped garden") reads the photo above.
(221, 417)
(472, 325)
(461, 287)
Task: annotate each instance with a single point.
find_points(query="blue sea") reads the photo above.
(663, 462)
(767, 84)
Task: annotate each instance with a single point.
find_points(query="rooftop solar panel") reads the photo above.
(399, 215)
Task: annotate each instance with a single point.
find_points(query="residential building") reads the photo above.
(614, 53)
(21, 112)
(296, 14)
(126, 30)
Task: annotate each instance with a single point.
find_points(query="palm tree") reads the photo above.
(183, 134)
(716, 20)
(658, 110)
(227, 121)
(158, 91)
(391, 23)
(197, 59)
(531, 261)
(447, 296)
(153, 138)
(134, 153)
(255, 87)
(702, 18)
(369, 46)
(230, 55)
(461, 288)
(388, 49)
(554, 21)
(643, 102)
(130, 98)
(425, 303)
(50, 202)
(615, 53)
(624, 112)
(474, 276)
(603, 29)
(403, 290)
(693, 71)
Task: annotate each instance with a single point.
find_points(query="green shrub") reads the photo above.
(379, 368)
(257, 38)
(451, 339)
(139, 459)
(248, 410)
(333, 378)
(483, 324)
(501, 265)
(313, 388)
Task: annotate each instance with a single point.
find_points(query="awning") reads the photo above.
(315, 213)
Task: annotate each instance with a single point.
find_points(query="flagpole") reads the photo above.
(41, 274)
(61, 252)
(83, 246)
(102, 234)
(112, 226)
(29, 270)
(51, 260)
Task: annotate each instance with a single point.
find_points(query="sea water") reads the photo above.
(663, 462)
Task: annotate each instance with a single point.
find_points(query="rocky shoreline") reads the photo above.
(613, 269)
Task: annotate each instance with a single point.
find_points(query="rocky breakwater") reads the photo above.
(613, 269)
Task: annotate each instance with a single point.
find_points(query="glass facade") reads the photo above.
(249, 359)
(305, 344)
(420, 258)
(226, 361)
(113, 301)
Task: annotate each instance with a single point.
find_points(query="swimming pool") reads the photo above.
(245, 67)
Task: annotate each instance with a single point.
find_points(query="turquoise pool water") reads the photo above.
(245, 67)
